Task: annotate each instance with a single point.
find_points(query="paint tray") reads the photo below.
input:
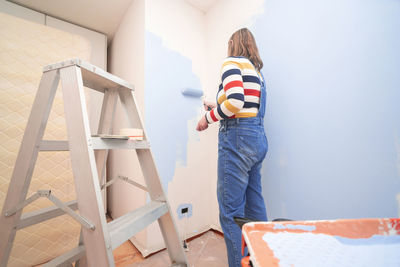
(358, 242)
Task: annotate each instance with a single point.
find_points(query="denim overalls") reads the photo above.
(242, 146)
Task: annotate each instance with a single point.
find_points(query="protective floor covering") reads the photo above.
(207, 250)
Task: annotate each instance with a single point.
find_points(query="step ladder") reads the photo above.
(88, 157)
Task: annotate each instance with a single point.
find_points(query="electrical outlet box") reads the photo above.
(184, 210)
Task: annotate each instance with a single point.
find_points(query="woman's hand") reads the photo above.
(202, 124)
(209, 105)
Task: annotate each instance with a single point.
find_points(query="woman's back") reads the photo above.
(239, 92)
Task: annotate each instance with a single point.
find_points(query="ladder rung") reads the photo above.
(102, 143)
(34, 217)
(54, 145)
(126, 226)
(68, 257)
(98, 143)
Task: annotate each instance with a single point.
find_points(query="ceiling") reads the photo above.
(102, 16)
(203, 5)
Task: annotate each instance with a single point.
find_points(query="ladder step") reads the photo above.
(98, 143)
(93, 77)
(87, 166)
(54, 145)
(68, 257)
(38, 216)
(126, 226)
(108, 143)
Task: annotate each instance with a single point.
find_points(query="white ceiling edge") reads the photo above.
(103, 16)
(202, 5)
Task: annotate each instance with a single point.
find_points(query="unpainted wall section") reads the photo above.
(175, 60)
(126, 60)
(173, 44)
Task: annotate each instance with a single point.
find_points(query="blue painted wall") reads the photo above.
(333, 115)
(167, 111)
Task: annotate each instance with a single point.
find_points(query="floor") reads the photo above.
(206, 250)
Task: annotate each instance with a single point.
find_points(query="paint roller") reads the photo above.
(192, 92)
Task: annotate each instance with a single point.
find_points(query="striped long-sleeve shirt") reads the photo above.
(239, 92)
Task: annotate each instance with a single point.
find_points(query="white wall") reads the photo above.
(126, 51)
(126, 60)
(182, 28)
(176, 40)
(182, 49)
(98, 57)
(146, 35)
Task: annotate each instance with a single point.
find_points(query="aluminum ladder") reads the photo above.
(88, 157)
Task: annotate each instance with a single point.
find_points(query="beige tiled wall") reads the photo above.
(26, 47)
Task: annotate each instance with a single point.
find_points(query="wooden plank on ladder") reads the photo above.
(26, 159)
(97, 242)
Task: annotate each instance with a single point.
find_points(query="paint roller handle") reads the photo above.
(209, 105)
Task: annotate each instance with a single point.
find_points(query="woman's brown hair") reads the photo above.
(242, 43)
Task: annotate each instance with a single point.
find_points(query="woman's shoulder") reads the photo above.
(240, 62)
(237, 59)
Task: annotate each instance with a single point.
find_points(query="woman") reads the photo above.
(242, 144)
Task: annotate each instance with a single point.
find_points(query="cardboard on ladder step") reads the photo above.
(88, 157)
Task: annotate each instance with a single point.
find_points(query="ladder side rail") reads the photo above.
(151, 176)
(67, 258)
(26, 159)
(82, 261)
(54, 145)
(109, 105)
(167, 224)
(97, 242)
(152, 179)
(131, 109)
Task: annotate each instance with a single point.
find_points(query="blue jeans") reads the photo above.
(241, 149)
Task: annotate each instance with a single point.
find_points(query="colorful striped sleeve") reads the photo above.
(232, 82)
